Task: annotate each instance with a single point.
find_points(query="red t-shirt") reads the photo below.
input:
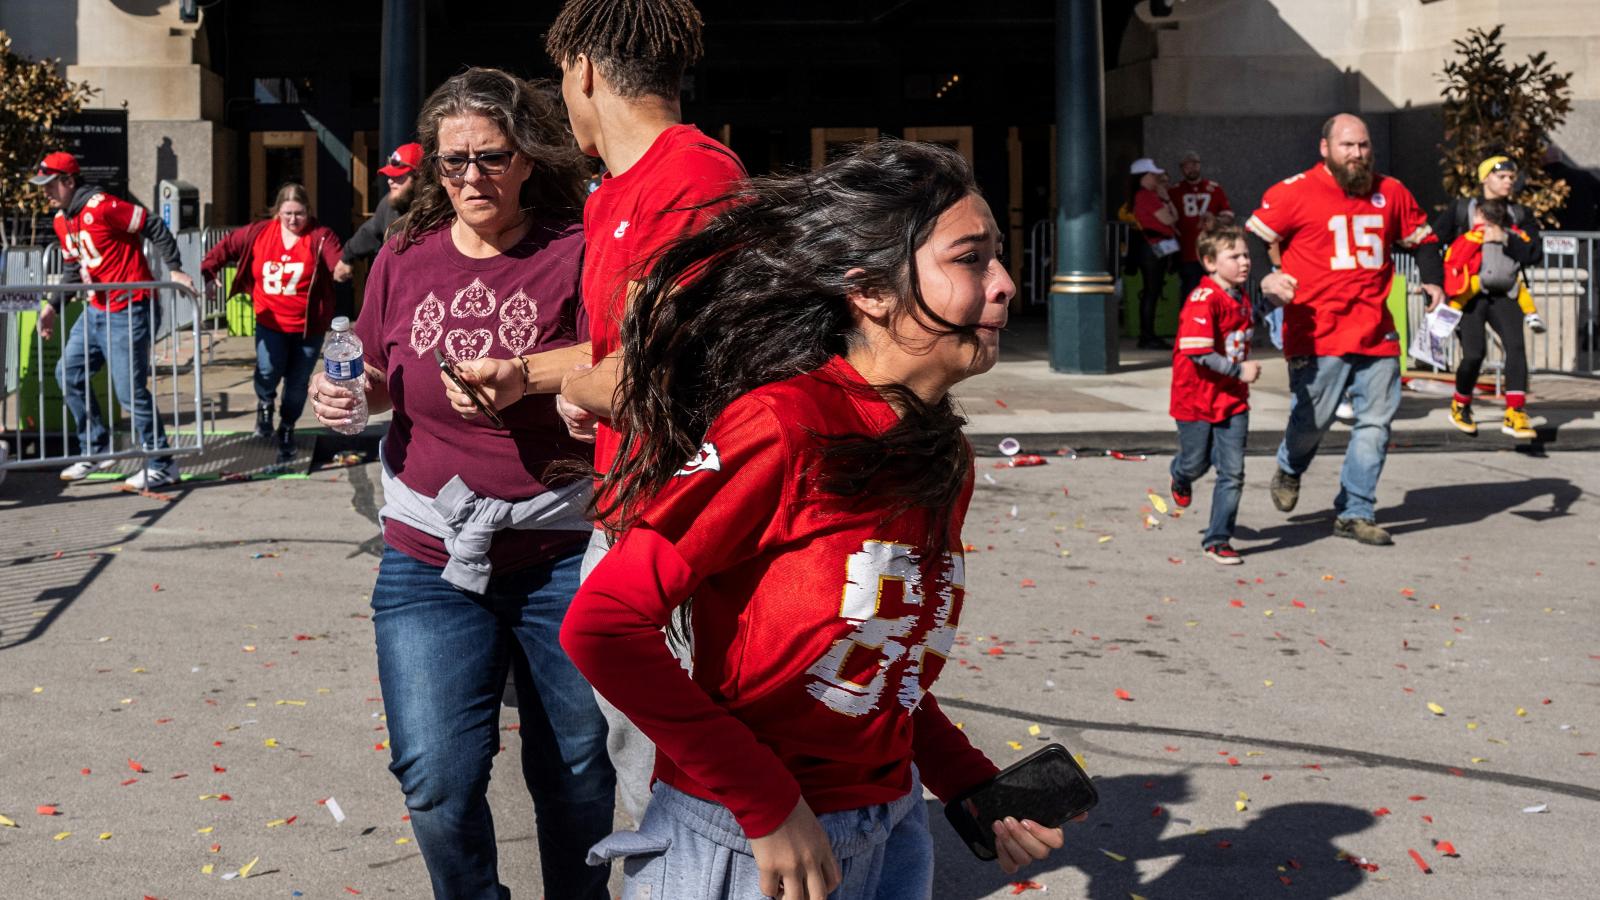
(282, 280)
(1337, 248)
(1195, 200)
(522, 301)
(1145, 206)
(104, 239)
(819, 627)
(1211, 320)
(631, 216)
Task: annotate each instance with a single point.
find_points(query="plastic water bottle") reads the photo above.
(341, 362)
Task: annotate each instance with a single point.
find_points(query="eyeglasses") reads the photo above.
(493, 163)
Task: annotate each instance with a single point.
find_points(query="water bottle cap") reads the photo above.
(341, 323)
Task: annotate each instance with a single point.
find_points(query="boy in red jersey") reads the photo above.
(817, 528)
(1200, 202)
(1211, 372)
(102, 240)
(1334, 225)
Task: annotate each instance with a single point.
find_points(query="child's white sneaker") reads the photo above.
(1534, 323)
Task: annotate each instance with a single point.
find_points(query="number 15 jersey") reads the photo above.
(1337, 247)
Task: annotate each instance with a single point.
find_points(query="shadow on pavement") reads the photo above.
(1437, 506)
(1165, 856)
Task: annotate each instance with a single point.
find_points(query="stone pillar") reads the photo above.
(1083, 318)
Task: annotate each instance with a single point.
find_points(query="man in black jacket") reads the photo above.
(368, 239)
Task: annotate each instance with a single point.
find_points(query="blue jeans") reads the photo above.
(289, 358)
(122, 341)
(1204, 445)
(1317, 383)
(443, 655)
(690, 849)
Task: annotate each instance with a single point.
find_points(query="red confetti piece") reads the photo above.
(162, 721)
(351, 890)
(1407, 592)
(1445, 848)
(290, 820)
(1122, 694)
(1266, 778)
(1028, 583)
(155, 587)
(1170, 749)
(1236, 604)
(1223, 845)
(47, 809)
(1156, 813)
(218, 769)
(224, 798)
(180, 775)
(1421, 864)
(1294, 863)
(1416, 798)
(379, 747)
(1313, 766)
(1545, 701)
(1428, 819)
(1456, 772)
(1285, 879)
(129, 781)
(1297, 604)
(997, 651)
(137, 767)
(83, 771)
(1381, 811)
(1018, 887)
(1232, 761)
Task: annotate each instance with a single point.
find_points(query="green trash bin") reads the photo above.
(240, 311)
(1166, 306)
(36, 375)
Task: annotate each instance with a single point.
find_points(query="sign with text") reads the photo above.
(99, 139)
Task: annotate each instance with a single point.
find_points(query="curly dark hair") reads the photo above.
(760, 295)
(642, 47)
(531, 116)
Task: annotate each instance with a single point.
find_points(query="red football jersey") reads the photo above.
(819, 625)
(1196, 200)
(282, 280)
(104, 240)
(631, 216)
(1211, 320)
(1337, 248)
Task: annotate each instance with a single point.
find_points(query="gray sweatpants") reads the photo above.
(632, 754)
(690, 849)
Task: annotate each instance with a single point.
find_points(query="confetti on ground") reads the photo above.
(1115, 856)
(244, 871)
(8, 823)
(1159, 504)
(1122, 694)
(333, 807)
(1537, 808)
(1421, 863)
(1436, 709)
(1018, 887)
(1445, 848)
(61, 836)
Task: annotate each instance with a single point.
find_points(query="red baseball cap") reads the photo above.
(57, 163)
(405, 158)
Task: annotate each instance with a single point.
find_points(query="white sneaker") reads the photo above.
(1534, 323)
(1346, 411)
(81, 470)
(149, 479)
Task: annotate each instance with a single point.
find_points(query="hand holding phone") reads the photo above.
(1047, 787)
(471, 391)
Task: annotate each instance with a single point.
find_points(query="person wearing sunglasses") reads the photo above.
(483, 541)
(400, 171)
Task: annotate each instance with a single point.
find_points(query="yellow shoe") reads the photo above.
(1516, 425)
(1461, 417)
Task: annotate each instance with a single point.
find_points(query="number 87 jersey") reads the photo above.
(1338, 247)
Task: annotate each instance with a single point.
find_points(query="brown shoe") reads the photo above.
(1285, 490)
(1364, 531)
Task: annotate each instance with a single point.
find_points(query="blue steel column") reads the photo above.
(401, 85)
(1082, 307)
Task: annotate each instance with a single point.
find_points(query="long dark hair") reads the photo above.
(531, 116)
(760, 295)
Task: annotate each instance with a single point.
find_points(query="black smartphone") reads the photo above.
(1048, 787)
(449, 369)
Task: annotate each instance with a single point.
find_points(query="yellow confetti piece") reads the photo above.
(1449, 643)
(1066, 553)
(208, 868)
(270, 742)
(1239, 806)
(1521, 711)
(276, 822)
(402, 840)
(250, 705)
(1256, 752)
(1267, 613)
(291, 703)
(1158, 503)
(1104, 538)
(126, 700)
(1135, 897)
(1267, 682)
(1243, 796)
(961, 725)
(249, 648)
(324, 690)
(1480, 759)
(62, 836)
(1116, 856)
(37, 689)
(1033, 730)
(244, 871)
(105, 836)
(1498, 741)
(1191, 623)
(1082, 763)
(1436, 709)
(206, 830)
(1472, 726)
(139, 671)
(1015, 745)
(7, 822)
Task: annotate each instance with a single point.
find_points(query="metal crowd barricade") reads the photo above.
(1040, 255)
(46, 431)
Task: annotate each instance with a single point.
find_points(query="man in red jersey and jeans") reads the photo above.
(1335, 225)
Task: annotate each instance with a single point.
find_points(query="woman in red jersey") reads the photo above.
(793, 462)
(285, 265)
